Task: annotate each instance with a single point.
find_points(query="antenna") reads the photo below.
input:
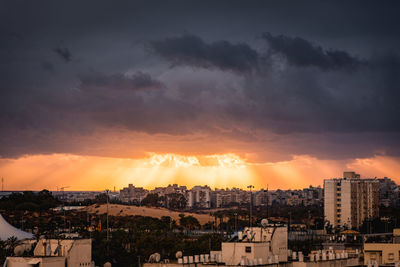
(107, 191)
(251, 206)
(267, 203)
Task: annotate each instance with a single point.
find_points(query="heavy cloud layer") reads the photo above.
(191, 50)
(257, 90)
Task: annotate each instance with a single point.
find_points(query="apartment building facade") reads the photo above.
(348, 201)
(199, 197)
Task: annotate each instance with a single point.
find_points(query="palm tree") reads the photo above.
(3, 251)
(11, 243)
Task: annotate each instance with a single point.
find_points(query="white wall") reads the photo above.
(330, 201)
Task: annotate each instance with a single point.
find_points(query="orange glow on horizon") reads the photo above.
(37, 172)
(97, 173)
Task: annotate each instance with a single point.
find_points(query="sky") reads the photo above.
(100, 94)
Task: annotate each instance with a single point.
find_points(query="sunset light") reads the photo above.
(199, 133)
(215, 170)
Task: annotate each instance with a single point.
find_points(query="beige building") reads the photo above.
(348, 201)
(199, 197)
(257, 245)
(56, 252)
(381, 253)
(132, 193)
(35, 261)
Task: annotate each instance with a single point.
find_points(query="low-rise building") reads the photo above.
(268, 243)
(35, 261)
(56, 252)
(381, 253)
(133, 194)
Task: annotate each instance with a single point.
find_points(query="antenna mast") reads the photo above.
(251, 206)
(267, 203)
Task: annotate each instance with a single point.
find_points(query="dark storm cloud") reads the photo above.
(48, 66)
(301, 52)
(193, 51)
(336, 82)
(118, 103)
(63, 53)
(306, 100)
(136, 81)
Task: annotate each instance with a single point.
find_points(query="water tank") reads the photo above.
(207, 258)
(202, 258)
(240, 235)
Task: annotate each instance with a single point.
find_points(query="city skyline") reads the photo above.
(163, 183)
(96, 94)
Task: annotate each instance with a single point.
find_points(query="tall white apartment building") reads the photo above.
(348, 201)
(199, 197)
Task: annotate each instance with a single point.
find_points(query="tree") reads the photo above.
(3, 252)
(29, 200)
(11, 243)
(101, 198)
(176, 201)
(188, 222)
(152, 200)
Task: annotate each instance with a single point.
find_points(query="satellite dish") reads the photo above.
(264, 222)
(155, 257)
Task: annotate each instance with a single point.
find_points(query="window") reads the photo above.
(391, 256)
(248, 249)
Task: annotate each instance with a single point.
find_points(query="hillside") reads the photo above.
(123, 210)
